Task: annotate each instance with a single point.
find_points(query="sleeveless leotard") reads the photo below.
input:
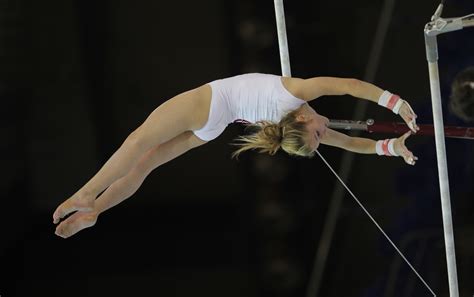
(249, 98)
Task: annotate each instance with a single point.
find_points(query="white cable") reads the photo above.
(375, 222)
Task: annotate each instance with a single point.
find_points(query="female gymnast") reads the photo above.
(276, 107)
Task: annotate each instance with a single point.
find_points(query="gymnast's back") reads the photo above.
(255, 97)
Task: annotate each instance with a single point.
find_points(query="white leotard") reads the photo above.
(248, 97)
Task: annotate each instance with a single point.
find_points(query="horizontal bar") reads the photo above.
(400, 128)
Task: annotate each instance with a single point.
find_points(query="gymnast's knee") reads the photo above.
(138, 141)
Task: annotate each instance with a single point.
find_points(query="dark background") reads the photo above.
(78, 76)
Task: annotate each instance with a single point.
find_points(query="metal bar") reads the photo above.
(432, 58)
(282, 39)
(348, 125)
(400, 128)
(468, 21)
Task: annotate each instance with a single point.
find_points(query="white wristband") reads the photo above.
(378, 148)
(391, 148)
(397, 106)
(390, 101)
(383, 99)
(385, 147)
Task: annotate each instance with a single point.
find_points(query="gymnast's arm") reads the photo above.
(348, 143)
(312, 88)
(367, 146)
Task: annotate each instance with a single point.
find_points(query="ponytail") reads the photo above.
(269, 137)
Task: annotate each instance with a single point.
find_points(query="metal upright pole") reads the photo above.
(431, 46)
(282, 40)
(434, 28)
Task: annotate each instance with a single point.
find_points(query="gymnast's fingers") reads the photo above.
(409, 116)
(409, 157)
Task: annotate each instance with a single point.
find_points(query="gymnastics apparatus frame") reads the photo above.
(435, 27)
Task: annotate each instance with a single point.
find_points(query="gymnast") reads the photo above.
(275, 107)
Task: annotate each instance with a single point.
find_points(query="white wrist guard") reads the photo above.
(390, 101)
(385, 147)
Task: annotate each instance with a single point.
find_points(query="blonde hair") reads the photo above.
(289, 135)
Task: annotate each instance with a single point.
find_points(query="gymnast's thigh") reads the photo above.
(182, 113)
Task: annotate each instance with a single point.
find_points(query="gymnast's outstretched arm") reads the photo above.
(312, 88)
(367, 146)
(315, 87)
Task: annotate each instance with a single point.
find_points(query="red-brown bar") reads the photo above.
(400, 128)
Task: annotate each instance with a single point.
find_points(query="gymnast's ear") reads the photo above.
(300, 117)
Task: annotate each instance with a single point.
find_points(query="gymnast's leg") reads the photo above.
(129, 184)
(184, 112)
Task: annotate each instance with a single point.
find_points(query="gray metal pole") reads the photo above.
(432, 57)
(282, 40)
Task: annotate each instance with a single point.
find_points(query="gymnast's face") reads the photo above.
(316, 125)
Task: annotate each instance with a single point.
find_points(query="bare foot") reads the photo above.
(76, 222)
(75, 203)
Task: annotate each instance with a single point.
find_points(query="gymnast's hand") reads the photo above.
(401, 149)
(76, 222)
(409, 116)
